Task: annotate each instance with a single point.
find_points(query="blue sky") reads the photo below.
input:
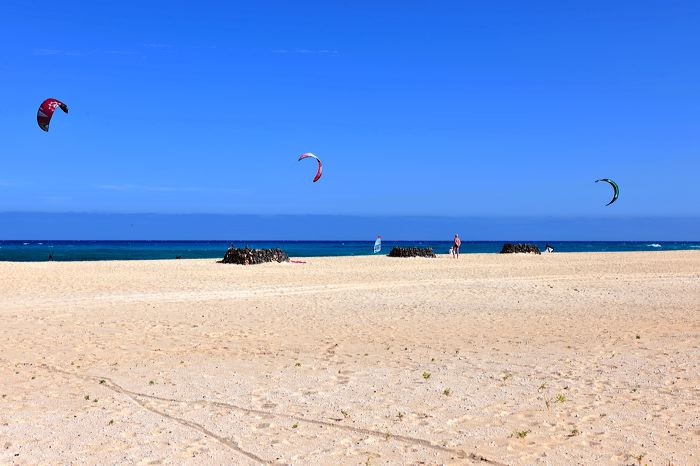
(82, 226)
(457, 108)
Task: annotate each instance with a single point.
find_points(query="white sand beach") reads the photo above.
(586, 358)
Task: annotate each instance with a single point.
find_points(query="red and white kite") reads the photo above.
(320, 165)
(46, 109)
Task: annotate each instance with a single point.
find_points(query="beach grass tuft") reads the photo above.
(426, 375)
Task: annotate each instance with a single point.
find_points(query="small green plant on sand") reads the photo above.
(638, 337)
(574, 432)
(426, 375)
(446, 392)
(87, 397)
(560, 398)
(400, 415)
(295, 425)
(151, 382)
(94, 400)
(541, 387)
(639, 458)
(344, 413)
(520, 433)
(506, 376)
(297, 364)
(111, 421)
(103, 381)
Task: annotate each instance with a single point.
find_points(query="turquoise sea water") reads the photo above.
(35, 251)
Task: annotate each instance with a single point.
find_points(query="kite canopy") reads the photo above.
(46, 109)
(616, 189)
(320, 165)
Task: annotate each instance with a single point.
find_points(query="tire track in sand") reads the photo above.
(135, 396)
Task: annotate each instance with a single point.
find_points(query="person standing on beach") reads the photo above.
(455, 247)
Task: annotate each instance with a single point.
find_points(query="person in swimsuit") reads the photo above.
(455, 247)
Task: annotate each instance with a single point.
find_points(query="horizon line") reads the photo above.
(341, 240)
(372, 215)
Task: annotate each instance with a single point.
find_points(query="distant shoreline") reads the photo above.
(83, 250)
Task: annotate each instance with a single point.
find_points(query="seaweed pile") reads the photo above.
(510, 248)
(411, 252)
(248, 256)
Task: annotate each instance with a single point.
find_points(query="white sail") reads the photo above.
(378, 244)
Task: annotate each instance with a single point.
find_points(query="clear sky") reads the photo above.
(457, 108)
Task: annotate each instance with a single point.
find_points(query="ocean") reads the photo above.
(38, 251)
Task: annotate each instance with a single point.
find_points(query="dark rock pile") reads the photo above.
(510, 248)
(246, 256)
(411, 252)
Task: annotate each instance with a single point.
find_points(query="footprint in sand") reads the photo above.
(147, 461)
(196, 448)
(342, 380)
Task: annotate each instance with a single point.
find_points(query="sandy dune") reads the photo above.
(557, 359)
